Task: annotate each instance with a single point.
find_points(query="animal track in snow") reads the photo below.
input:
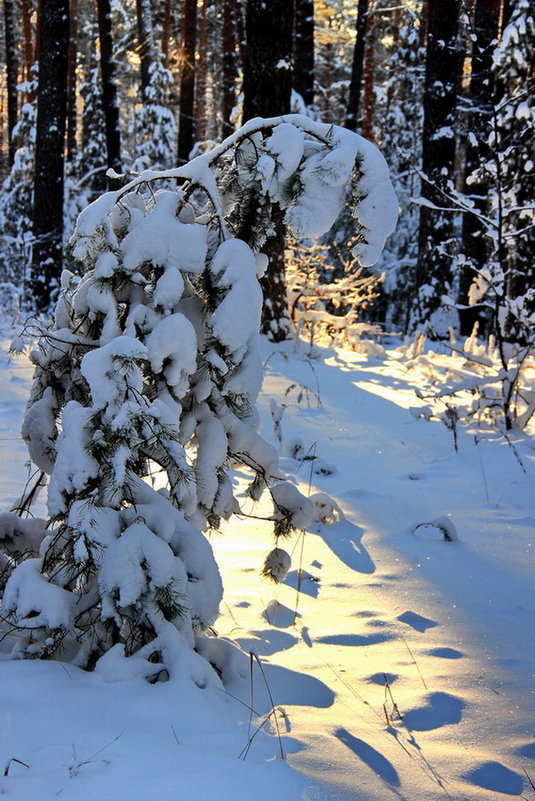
(440, 710)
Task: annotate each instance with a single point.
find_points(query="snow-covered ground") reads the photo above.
(399, 664)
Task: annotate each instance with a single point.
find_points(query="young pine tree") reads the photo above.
(144, 396)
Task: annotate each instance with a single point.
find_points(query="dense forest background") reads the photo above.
(444, 88)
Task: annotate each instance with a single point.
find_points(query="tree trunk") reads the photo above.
(145, 37)
(267, 86)
(267, 77)
(474, 243)
(434, 266)
(11, 75)
(50, 151)
(368, 99)
(303, 78)
(230, 64)
(357, 68)
(28, 51)
(187, 83)
(109, 88)
(201, 78)
(166, 32)
(71, 99)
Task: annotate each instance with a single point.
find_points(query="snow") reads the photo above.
(400, 662)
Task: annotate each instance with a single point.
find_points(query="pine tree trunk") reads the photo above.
(11, 75)
(368, 89)
(267, 77)
(187, 83)
(109, 88)
(49, 152)
(145, 43)
(166, 32)
(475, 245)
(267, 85)
(71, 99)
(303, 80)
(201, 77)
(230, 64)
(27, 38)
(434, 266)
(357, 68)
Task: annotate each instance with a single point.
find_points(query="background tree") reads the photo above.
(357, 68)
(186, 123)
(109, 88)
(11, 62)
(478, 172)
(47, 256)
(303, 61)
(434, 267)
(267, 86)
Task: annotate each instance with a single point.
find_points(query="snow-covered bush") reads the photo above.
(144, 395)
(325, 302)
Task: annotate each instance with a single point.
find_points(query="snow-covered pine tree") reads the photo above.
(155, 122)
(401, 111)
(144, 396)
(86, 175)
(16, 200)
(512, 141)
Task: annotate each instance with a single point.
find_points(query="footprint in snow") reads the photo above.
(382, 678)
(527, 750)
(441, 709)
(266, 643)
(495, 776)
(418, 622)
(354, 639)
(446, 653)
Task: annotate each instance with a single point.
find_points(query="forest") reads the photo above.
(445, 89)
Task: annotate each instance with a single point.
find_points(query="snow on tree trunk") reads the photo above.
(144, 396)
(47, 255)
(433, 273)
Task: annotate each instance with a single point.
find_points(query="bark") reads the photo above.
(145, 43)
(303, 81)
(357, 68)
(27, 38)
(267, 77)
(436, 230)
(71, 98)
(267, 85)
(109, 88)
(368, 84)
(11, 75)
(166, 32)
(230, 64)
(50, 152)
(187, 83)
(481, 93)
(201, 77)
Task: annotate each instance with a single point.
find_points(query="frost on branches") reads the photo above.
(144, 396)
